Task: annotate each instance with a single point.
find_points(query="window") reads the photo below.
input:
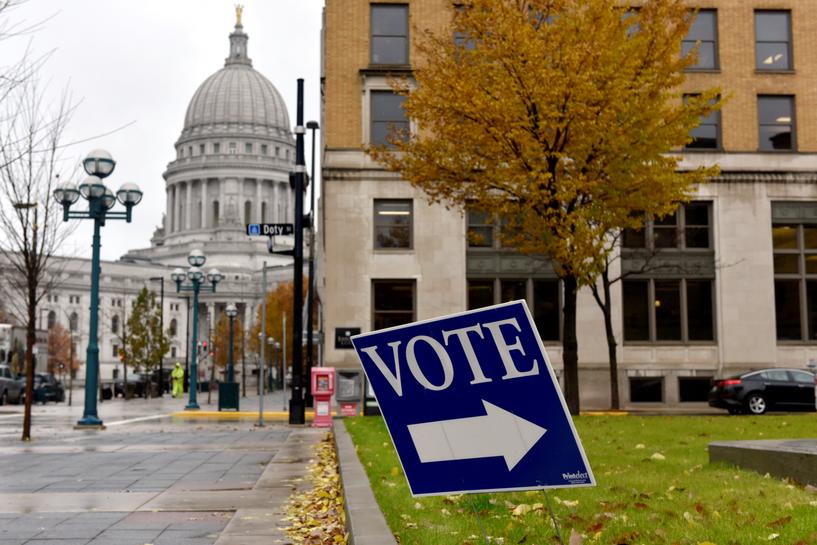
(172, 351)
(389, 34)
(773, 40)
(646, 389)
(480, 293)
(704, 34)
(216, 147)
(73, 322)
(172, 330)
(247, 211)
(232, 148)
(546, 303)
(201, 149)
(215, 213)
(277, 151)
(802, 377)
(247, 147)
(480, 229)
(707, 134)
(668, 310)
(392, 223)
(387, 118)
(190, 151)
(115, 324)
(693, 389)
(264, 149)
(393, 303)
(776, 122)
(115, 351)
(264, 212)
(688, 228)
(52, 319)
(795, 281)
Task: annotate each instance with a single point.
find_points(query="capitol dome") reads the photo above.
(232, 165)
(237, 98)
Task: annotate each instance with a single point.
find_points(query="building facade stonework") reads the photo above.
(742, 289)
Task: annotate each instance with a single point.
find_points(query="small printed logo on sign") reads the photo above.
(253, 229)
(579, 477)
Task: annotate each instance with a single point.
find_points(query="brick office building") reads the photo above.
(745, 292)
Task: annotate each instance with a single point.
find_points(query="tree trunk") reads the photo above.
(570, 347)
(31, 338)
(611, 342)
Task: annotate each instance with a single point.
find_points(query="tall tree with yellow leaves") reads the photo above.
(558, 116)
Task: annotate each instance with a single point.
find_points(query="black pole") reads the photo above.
(312, 125)
(296, 402)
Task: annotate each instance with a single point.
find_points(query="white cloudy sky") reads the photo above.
(139, 62)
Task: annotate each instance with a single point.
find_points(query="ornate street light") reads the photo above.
(195, 275)
(99, 165)
(231, 312)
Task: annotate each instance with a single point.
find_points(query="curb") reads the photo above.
(364, 519)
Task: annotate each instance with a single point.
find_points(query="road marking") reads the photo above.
(140, 419)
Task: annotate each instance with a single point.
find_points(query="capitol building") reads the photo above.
(233, 159)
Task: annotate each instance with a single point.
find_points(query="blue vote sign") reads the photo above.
(472, 404)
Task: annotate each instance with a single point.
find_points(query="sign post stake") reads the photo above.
(553, 516)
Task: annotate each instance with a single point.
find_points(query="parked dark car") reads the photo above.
(138, 382)
(9, 386)
(46, 388)
(756, 392)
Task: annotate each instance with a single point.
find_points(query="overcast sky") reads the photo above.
(129, 61)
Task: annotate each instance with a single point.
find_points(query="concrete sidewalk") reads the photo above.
(151, 479)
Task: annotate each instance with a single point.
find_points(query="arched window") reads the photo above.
(73, 322)
(200, 218)
(115, 324)
(52, 319)
(215, 213)
(173, 327)
(247, 211)
(264, 212)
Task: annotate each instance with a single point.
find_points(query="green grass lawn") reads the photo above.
(655, 486)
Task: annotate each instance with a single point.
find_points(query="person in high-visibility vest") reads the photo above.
(178, 380)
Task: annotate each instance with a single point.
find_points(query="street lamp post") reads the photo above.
(228, 393)
(313, 126)
(231, 312)
(194, 274)
(98, 165)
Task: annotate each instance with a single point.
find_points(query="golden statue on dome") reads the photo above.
(239, 9)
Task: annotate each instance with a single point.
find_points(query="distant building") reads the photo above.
(748, 241)
(232, 166)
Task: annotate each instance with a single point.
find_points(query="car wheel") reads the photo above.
(756, 404)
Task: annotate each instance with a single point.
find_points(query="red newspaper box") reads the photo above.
(323, 386)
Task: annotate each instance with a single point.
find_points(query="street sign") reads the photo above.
(270, 229)
(472, 404)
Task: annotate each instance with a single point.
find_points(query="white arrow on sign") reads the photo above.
(497, 433)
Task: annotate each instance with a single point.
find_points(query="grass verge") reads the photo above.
(655, 486)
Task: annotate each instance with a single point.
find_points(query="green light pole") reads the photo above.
(231, 312)
(196, 259)
(99, 165)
